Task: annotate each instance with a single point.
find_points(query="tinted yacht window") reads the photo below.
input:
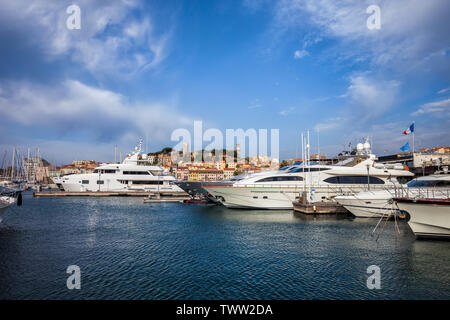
(279, 179)
(308, 169)
(136, 172)
(428, 183)
(353, 180)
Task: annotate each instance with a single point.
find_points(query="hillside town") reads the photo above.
(192, 166)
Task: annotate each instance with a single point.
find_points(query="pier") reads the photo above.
(165, 195)
(319, 208)
(306, 207)
(165, 199)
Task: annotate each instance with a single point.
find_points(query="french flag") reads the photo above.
(410, 129)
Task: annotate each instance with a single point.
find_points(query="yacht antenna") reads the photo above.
(303, 158)
(309, 165)
(303, 161)
(318, 154)
(318, 144)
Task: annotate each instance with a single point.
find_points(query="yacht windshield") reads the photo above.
(239, 177)
(428, 183)
(307, 169)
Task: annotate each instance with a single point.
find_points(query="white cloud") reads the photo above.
(330, 124)
(286, 112)
(413, 34)
(443, 90)
(433, 107)
(111, 40)
(298, 54)
(255, 104)
(371, 97)
(75, 108)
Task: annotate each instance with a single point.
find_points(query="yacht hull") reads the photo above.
(368, 204)
(276, 197)
(253, 197)
(428, 219)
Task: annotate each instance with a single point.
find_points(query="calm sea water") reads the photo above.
(130, 250)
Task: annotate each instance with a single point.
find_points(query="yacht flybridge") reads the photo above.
(134, 174)
(278, 189)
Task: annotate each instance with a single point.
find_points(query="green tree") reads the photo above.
(284, 163)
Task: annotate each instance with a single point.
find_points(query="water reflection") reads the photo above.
(131, 250)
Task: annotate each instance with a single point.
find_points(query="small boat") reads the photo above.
(197, 201)
(7, 198)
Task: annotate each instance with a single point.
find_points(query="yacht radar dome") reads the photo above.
(359, 148)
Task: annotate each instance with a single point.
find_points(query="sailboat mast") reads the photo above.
(13, 163)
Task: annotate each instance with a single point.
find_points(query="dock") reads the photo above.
(180, 195)
(306, 207)
(319, 208)
(165, 199)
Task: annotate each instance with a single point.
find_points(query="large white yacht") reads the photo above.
(377, 203)
(133, 174)
(278, 189)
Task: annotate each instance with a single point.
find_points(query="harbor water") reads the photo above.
(127, 249)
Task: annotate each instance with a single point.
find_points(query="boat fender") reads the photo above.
(19, 200)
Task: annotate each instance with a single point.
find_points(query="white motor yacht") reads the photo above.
(376, 203)
(133, 174)
(278, 189)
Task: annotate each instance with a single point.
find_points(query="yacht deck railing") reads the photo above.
(421, 193)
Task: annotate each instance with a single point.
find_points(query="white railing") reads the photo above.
(421, 193)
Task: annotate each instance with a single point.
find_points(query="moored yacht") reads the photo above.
(7, 198)
(429, 213)
(278, 189)
(377, 203)
(133, 174)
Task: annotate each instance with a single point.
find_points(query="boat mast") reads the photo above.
(28, 166)
(12, 163)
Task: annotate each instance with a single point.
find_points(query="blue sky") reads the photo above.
(144, 68)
